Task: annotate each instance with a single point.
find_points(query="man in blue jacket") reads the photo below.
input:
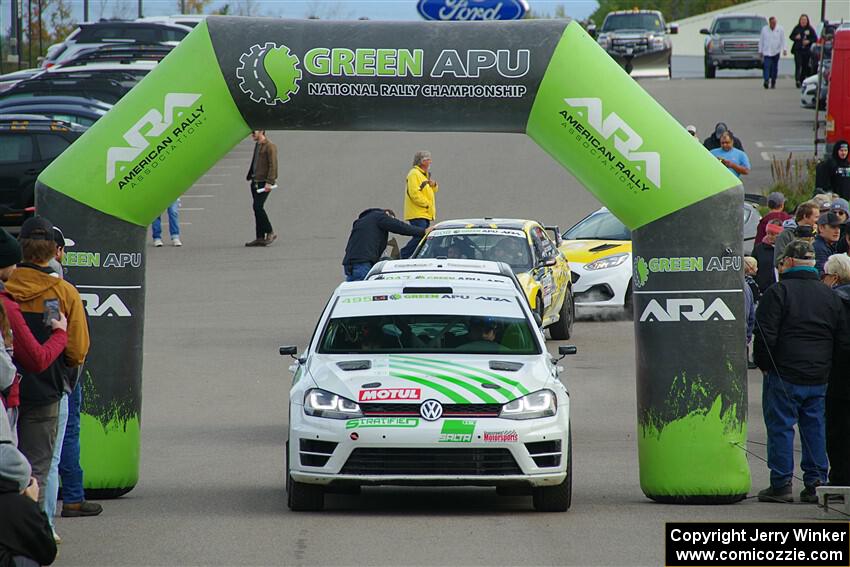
(368, 239)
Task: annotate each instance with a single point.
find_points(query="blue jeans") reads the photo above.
(785, 404)
(410, 247)
(173, 222)
(69, 463)
(51, 491)
(357, 272)
(770, 67)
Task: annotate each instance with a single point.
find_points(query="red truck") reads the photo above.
(838, 99)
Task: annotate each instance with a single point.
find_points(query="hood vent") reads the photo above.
(603, 247)
(504, 365)
(350, 365)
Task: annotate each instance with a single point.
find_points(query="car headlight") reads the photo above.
(607, 262)
(320, 403)
(535, 405)
(656, 42)
(603, 41)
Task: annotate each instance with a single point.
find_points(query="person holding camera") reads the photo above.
(419, 204)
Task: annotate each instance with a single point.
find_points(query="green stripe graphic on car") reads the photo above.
(455, 365)
(426, 366)
(487, 398)
(452, 395)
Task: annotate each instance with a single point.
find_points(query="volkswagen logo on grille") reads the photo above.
(431, 410)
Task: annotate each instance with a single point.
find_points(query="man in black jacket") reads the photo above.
(368, 239)
(713, 141)
(799, 323)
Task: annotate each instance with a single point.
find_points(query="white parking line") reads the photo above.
(207, 184)
(110, 286)
(191, 208)
(184, 195)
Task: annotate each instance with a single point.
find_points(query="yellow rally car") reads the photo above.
(538, 262)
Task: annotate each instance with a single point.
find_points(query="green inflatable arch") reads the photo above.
(547, 79)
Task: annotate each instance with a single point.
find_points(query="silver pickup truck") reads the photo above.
(638, 40)
(733, 43)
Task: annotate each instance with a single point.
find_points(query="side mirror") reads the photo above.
(591, 29)
(566, 350)
(289, 350)
(537, 319)
(547, 263)
(704, 31)
(674, 29)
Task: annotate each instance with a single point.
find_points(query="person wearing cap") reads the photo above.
(832, 174)
(66, 453)
(734, 159)
(763, 252)
(419, 202)
(36, 287)
(829, 231)
(776, 204)
(713, 141)
(800, 323)
(837, 276)
(173, 226)
(805, 219)
(28, 353)
(263, 177)
(692, 130)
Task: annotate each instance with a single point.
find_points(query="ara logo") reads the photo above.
(689, 309)
(472, 10)
(626, 140)
(156, 123)
(112, 306)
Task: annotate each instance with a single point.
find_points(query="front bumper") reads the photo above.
(601, 288)
(735, 61)
(645, 63)
(415, 452)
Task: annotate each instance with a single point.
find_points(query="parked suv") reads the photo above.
(638, 40)
(28, 143)
(733, 43)
(96, 34)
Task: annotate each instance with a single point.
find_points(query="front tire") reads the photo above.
(561, 329)
(557, 498)
(710, 70)
(301, 497)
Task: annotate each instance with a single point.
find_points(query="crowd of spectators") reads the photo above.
(45, 334)
(799, 278)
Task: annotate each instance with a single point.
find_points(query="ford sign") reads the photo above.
(472, 10)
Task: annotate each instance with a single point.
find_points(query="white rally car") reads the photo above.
(437, 377)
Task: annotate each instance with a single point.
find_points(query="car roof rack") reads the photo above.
(36, 122)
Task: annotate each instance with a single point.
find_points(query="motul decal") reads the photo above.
(389, 394)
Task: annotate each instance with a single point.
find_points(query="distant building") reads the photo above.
(689, 41)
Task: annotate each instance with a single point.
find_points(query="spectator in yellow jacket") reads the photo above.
(419, 205)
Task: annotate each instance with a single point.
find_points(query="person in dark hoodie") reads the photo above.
(27, 353)
(832, 174)
(43, 295)
(800, 324)
(368, 239)
(713, 141)
(25, 536)
(837, 276)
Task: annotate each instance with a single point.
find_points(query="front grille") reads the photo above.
(450, 410)
(545, 453)
(740, 47)
(419, 462)
(599, 292)
(637, 45)
(315, 453)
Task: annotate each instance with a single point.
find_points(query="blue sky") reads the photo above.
(331, 9)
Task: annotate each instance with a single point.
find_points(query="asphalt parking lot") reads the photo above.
(215, 389)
